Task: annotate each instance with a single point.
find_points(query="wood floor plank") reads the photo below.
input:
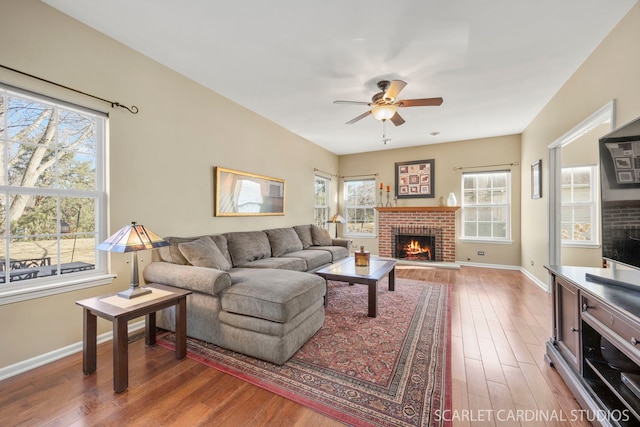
(500, 321)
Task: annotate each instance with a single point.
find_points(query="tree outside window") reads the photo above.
(486, 205)
(360, 202)
(578, 201)
(50, 191)
(321, 207)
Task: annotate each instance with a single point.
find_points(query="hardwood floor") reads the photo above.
(500, 323)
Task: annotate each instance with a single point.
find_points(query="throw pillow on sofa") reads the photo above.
(304, 233)
(203, 252)
(283, 241)
(320, 236)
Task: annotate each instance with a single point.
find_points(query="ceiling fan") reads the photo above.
(385, 105)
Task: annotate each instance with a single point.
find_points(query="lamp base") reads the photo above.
(134, 291)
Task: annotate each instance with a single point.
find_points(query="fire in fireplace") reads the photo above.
(415, 248)
(417, 243)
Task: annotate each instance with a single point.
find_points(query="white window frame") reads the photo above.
(325, 207)
(593, 205)
(22, 290)
(507, 205)
(347, 208)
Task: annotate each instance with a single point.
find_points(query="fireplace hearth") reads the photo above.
(417, 243)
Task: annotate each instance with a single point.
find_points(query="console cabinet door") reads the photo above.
(568, 321)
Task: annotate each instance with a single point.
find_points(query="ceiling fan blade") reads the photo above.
(360, 117)
(393, 90)
(352, 102)
(396, 119)
(422, 102)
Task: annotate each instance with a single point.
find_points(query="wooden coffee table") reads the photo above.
(346, 271)
(120, 311)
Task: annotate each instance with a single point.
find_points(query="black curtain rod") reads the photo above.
(354, 176)
(133, 109)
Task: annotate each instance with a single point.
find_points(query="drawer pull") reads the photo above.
(575, 330)
(586, 307)
(634, 341)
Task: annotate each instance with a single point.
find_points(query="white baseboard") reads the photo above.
(43, 359)
(519, 268)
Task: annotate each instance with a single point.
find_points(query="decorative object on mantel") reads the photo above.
(362, 257)
(337, 219)
(451, 200)
(132, 238)
(133, 109)
(415, 179)
(441, 201)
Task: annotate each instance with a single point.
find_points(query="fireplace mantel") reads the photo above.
(418, 209)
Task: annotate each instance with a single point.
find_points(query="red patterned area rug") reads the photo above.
(392, 370)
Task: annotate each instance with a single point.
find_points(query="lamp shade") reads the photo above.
(383, 112)
(131, 238)
(337, 219)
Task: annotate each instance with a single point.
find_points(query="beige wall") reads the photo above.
(161, 160)
(468, 154)
(611, 72)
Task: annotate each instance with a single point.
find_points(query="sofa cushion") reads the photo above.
(295, 264)
(203, 252)
(172, 253)
(320, 236)
(246, 246)
(311, 257)
(277, 295)
(221, 243)
(337, 252)
(283, 240)
(304, 234)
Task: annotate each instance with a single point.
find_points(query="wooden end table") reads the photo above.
(346, 271)
(120, 312)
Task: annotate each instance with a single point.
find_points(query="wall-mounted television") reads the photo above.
(620, 200)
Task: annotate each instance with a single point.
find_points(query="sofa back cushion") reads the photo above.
(203, 252)
(173, 254)
(283, 240)
(320, 236)
(304, 234)
(247, 246)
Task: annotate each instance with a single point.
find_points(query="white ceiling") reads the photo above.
(496, 63)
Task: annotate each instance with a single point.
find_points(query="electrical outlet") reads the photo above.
(481, 253)
(532, 263)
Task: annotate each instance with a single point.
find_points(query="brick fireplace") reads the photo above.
(441, 218)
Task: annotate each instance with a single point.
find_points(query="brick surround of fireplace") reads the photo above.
(443, 217)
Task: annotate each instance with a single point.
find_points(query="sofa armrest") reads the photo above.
(198, 279)
(342, 242)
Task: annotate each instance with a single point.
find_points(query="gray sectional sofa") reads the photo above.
(252, 290)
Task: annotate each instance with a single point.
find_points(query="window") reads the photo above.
(360, 202)
(51, 191)
(321, 207)
(578, 201)
(486, 206)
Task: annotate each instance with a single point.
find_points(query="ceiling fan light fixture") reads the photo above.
(383, 112)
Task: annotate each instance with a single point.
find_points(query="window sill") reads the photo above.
(487, 241)
(39, 290)
(580, 245)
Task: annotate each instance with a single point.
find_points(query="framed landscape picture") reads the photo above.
(247, 194)
(415, 179)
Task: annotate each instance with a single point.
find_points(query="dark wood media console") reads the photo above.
(595, 346)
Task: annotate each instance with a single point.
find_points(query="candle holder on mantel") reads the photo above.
(362, 257)
(388, 202)
(380, 204)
